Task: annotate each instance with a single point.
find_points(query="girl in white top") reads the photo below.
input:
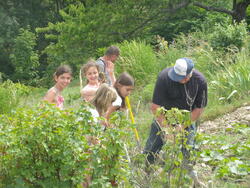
(105, 96)
(91, 71)
(123, 86)
(62, 77)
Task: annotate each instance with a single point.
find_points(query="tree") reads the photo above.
(24, 58)
(238, 11)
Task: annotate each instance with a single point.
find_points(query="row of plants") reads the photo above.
(47, 147)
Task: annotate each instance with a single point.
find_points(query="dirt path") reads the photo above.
(240, 115)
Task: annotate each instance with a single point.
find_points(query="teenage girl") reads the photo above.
(104, 97)
(123, 86)
(62, 77)
(91, 71)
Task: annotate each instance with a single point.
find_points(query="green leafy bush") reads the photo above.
(47, 147)
(226, 35)
(10, 94)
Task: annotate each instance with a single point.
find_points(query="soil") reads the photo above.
(239, 116)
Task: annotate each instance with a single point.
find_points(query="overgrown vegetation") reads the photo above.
(45, 146)
(41, 145)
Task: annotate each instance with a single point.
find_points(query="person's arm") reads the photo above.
(111, 72)
(50, 97)
(110, 110)
(196, 113)
(101, 65)
(87, 94)
(159, 118)
(200, 101)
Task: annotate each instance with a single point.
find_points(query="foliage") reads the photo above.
(233, 82)
(229, 158)
(138, 59)
(15, 14)
(24, 59)
(109, 164)
(10, 95)
(49, 147)
(226, 35)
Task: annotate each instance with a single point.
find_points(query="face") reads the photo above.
(63, 80)
(125, 90)
(92, 75)
(113, 58)
(186, 79)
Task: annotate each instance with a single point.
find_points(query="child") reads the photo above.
(62, 77)
(91, 71)
(123, 86)
(103, 99)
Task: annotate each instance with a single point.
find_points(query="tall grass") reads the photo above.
(234, 81)
(138, 59)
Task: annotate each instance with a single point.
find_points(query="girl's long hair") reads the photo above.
(124, 79)
(104, 97)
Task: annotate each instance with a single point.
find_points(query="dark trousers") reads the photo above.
(155, 141)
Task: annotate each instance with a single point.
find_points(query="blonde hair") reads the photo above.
(104, 97)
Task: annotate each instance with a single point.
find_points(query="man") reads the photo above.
(106, 64)
(179, 87)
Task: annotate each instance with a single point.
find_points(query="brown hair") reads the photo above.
(112, 50)
(89, 64)
(124, 79)
(104, 97)
(62, 69)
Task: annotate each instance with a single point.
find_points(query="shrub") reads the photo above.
(226, 35)
(47, 147)
(10, 94)
(138, 59)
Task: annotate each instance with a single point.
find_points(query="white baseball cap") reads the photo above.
(182, 68)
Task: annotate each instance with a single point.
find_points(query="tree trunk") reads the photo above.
(239, 10)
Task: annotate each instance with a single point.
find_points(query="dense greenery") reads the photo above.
(45, 146)
(72, 31)
(41, 145)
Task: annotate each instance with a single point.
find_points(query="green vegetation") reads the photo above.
(45, 146)
(42, 146)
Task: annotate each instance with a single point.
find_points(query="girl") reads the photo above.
(104, 97)
(62, 77)
(123, 86)
(91, 71)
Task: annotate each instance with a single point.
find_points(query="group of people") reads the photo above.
(105, 92)
(179, 86)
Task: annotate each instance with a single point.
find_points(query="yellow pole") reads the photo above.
(80, 79)
(132, 118)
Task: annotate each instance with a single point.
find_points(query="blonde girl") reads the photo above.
(91, 71)
(104, 97)
(62, 77)
(123, 86)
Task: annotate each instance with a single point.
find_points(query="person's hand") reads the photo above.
(110, 67)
